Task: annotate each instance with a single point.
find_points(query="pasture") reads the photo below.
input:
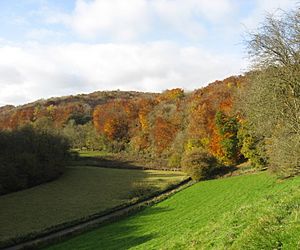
(244, 212)
(76, 195)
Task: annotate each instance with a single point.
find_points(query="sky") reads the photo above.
(53, 48)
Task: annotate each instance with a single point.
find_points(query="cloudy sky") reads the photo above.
(53, 47)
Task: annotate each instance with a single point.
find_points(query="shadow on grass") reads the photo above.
(154, 210)
(83, 190)
(121, 238)
(121, 161)
(222, 171)
(106, 162)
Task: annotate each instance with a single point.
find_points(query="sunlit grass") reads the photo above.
(245, 212)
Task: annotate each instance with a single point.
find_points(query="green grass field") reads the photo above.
(245, 212)
(80, 192)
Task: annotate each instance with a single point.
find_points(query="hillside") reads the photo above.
(157, 131)
(12, 117)
(144, 124)
(245, 212)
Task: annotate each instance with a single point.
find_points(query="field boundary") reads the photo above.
(44, 239)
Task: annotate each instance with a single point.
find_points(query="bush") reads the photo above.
(174, 160)
(199, 164)
(29, 157)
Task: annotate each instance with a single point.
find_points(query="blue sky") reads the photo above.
(52, 47)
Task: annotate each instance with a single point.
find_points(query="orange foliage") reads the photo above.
(61, 114)
(17, 118)
(144, 119)
(140, 141)
(226, 105)
(164, 133)
(201, 121)
(145, 107)
(114, 118)
(215, 144)
(204, 104)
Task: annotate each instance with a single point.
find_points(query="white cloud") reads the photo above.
(37, 71)
(127, 20)
(9, 76)
(118, 18)
(213, 11)
(31, 71)
(43, 34)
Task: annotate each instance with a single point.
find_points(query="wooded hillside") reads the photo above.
(170, 126)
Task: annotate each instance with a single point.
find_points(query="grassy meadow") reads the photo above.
(254, 211)
(79, 193)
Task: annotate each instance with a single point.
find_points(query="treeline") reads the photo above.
(174, 129)
(61, 109)
(253, 117)
(271, 102)
(29, 157)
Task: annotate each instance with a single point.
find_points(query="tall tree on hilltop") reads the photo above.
(272, 100)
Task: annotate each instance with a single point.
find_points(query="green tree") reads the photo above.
(252, 146)
(228, 129)
(29, 157)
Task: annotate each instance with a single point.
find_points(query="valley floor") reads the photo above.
(254, 211)
(78, 194)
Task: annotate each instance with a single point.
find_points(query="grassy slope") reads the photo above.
(244, 212)
(82, 191)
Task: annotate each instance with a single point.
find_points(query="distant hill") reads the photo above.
(14, 116)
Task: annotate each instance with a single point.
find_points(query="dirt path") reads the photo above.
(68, 232)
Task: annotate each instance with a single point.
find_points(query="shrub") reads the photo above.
(198, 164)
